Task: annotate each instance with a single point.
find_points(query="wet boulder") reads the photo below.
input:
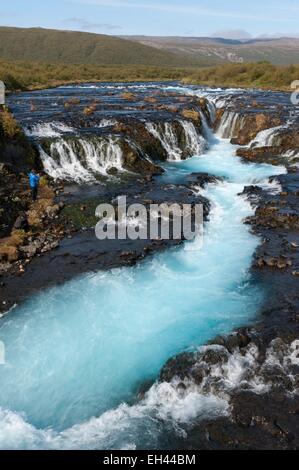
(203, 179)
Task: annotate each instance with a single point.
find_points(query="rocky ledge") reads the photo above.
(265, 132)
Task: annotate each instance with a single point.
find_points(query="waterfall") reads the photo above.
(196, 144)
(166, 133)
(267, 138)
(68, 166)
(212, 111)
(228, 126)
(207, 131)
(291, 155)
(81, 160)
(103, 155)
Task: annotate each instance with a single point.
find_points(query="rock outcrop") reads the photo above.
(252, 124)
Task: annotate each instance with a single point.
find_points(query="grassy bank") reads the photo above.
(253, 75)
(31, 75)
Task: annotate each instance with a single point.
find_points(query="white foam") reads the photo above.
(97, 157)
(273, 186)
(48, 129)
(107, 123)
(177, 403)
(118, 428)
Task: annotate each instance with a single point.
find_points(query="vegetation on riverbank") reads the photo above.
(255, 75)
(31, 75)
(9, 128)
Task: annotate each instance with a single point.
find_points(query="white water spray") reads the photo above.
(96, 158)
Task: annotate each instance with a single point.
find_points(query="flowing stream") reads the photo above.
(77, 354)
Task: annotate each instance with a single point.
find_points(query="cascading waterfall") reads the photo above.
(267, 138)
(196, 143)
(212, 111)
(81, 160)
(166, 134)
(103, 155)
(62, 162)
(83, 355)
(230, 122)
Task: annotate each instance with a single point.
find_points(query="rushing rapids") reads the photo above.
(79, 367)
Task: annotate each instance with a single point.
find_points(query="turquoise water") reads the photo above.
(76, 352)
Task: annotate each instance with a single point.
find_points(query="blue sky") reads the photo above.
(157, 17)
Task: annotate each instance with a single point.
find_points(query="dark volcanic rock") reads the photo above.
(202, 179)
(15, 148)
(13, 197)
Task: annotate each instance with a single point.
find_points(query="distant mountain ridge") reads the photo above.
(279, 51)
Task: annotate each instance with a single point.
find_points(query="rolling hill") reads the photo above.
(68, 47)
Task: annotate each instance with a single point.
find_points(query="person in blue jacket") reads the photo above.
(34, 183)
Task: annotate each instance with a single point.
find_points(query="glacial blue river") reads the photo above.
(76, 354)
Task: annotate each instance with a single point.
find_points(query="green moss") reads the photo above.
(80, 215)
